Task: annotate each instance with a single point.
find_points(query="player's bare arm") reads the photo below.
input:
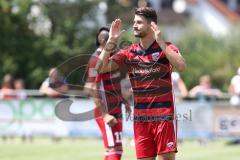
(93, 91)
(176, 60)
(104, 64)
(109, 119)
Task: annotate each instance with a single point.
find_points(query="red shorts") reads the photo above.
(112, 136)
(155, 138)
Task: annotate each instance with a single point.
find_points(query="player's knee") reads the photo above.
(167, 156)
(113, 157)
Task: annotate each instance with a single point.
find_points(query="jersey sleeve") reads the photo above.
(91, 71)
(173, 47)
(120, 57)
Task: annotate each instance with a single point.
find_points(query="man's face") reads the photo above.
(141, 26)
(103, 37)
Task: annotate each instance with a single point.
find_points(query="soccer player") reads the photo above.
(106, 87)
(149, 64)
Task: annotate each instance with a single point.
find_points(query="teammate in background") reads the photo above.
(149, 66)
(106, 87)
(179, 87)
(53, 86)
(234, 89)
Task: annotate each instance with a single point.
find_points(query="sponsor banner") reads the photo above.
(194, 120)
(37, 117)
(226, 120)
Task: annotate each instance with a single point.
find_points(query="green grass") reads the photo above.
(92, 149)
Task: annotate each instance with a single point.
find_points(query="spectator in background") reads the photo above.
(205, 89)
(53, 86)
(234, 89)
(179, 87)
(19, 87)
(7, 92)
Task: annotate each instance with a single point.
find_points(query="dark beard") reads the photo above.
(141, 35)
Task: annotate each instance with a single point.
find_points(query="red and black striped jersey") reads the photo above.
(149, 71)
(109, 87)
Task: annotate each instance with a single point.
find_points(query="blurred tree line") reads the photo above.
(205, 54)
(36, 35)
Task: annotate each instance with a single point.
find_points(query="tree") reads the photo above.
(29, 55)
(205, 54)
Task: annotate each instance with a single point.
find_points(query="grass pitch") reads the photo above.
(92, 149)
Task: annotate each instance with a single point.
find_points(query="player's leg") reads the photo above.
(114, 135)
(113, 153)
(151, 158)
(166, 140)
(101, 126)
(167, 156)
(144, 141)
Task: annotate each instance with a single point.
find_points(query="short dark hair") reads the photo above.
(147, 12)
(104, 28)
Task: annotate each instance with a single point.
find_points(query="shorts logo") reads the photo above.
(155, 56)
(170, 145)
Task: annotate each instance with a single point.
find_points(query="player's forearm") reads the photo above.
(100, 105)
(103, 63)
(96, 98)
(95, 93)
(175, 59)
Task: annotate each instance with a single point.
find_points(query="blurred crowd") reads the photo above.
(54, 86)
(12, 88)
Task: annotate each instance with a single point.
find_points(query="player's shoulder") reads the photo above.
(93, 58)
(97, 52)
(127, 49)
(171, 45)
(133, 46)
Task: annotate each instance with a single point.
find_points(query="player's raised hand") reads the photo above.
(157, 35)
(156, 30)
(115, 30)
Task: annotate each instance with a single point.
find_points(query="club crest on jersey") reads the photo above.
(155, 56)
(136, 58)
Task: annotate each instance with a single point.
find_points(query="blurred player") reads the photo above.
(149, 66)
(179, 87)
(106, 91)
